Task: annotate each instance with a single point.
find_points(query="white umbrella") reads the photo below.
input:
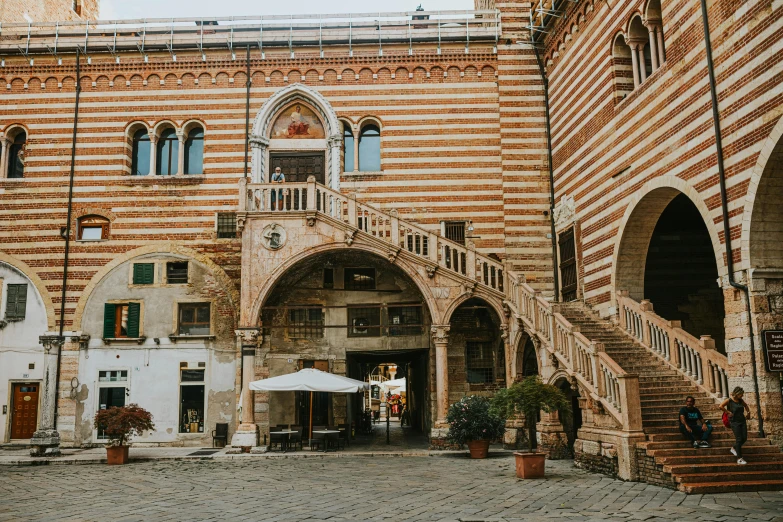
(312, 380)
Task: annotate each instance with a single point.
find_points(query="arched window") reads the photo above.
(16, 154)
(623, 68)
(348, 145)
(370, 149)
(93, 228)
(194, 151)
(140, 163)
(168, 153)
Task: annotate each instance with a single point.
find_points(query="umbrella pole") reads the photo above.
(311, 415)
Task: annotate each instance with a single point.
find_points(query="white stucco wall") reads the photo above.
(19, 347)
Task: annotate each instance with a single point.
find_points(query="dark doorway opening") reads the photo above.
(568, 264)
(681, 273)
(571, 421)
(298, 166)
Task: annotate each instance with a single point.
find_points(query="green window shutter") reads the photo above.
(10, 304)
(134, 316)
(108, 320)
(21, 302)
(143, 273)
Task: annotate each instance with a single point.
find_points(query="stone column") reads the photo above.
(153, 155)
(440, 337)
(653, 45)
(509, 359)
(334, 142)
(355, 151)
(642, 64)
(3, 156)
(258, 146)
(635, 62)
(659, 37)
(246, 435)
(181, 152)
(46, 439)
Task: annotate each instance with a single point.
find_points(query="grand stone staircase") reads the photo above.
(669, 458)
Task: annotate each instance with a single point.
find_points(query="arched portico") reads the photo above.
(263, 141)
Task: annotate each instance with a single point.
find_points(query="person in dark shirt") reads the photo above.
(693, 425)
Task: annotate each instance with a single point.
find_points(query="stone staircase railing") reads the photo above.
(608, 384)
(697, 359)
(314, 197)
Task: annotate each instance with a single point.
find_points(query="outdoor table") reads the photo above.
(284, 432)
(326, 441)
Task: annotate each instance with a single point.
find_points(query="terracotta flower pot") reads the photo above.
(117, 455)
(478, 448)
(530, 465)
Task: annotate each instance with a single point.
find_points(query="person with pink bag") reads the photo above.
(738, 413)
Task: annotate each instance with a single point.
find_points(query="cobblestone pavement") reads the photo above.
(353, 488)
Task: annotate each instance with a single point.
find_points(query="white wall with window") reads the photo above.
(22, 320)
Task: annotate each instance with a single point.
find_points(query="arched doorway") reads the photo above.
(572, 420)
(527, 360)
(766, 222)
(666, 255)
(347, 312)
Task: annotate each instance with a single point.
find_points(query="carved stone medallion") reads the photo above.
(274, 236)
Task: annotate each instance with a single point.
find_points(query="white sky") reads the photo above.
(117, 9)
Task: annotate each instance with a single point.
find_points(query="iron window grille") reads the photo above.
(479, 363)
(455, 231)
(177, 272)
(306, 323)
(405, 320)
(226, 225)
(364, 322)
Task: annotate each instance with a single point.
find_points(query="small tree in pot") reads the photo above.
(471, 422)
(528, 397)
(119, 424)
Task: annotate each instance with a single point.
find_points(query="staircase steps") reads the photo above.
(662, 392)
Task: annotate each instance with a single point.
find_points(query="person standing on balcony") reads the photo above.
(739, 413)
(277, 194)
(693, 425)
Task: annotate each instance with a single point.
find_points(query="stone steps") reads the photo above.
(686, 469)
(748, 450)
(717, 443)
(732, 486)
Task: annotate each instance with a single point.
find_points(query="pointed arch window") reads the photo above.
(16, 154)
(167, 153)
(370, 149)
(140, 164)
(194, 152)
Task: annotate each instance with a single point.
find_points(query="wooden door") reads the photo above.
(298, 166)
(568, 265)
(24, 420)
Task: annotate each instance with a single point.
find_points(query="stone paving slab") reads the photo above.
(451, 488)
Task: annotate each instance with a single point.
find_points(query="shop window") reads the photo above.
(480, 363)
(143, 273)
(177, 273)
(328, 277)
(370, 149)
(121, 320)
(112, 391)
(348, 149)
(191, 401)
(141, 153)
(16, 155)
(405, 320)
(194, 152)
(194, 319)
(167, 153)
(455, 231)
(93, 228)
(16, 302)
(226, 225)
(364, 321)
(306, 323)
(359, 278)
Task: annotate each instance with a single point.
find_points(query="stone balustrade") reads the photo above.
(695, 358)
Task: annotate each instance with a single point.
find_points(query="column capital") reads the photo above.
(258, 141)
(504, 333)
(334, 140)
(635, 43)
(651, 23)
(440, 332)
(249, 335)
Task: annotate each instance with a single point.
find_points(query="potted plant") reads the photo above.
(528, 397)
(471, 422)
(119, 424)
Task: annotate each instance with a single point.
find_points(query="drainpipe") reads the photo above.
(551, 175)
(725, 209)
(67, 238)
(247, 109)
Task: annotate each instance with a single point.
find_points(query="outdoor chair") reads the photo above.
(345, 433)
(333, 440)
(296, 438)
(280, 439)
(317, 440)
(220, 434)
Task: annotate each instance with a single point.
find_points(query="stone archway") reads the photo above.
(263, 142)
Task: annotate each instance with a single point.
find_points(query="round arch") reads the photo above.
(219, 273)
(637, 227)
(273, 278)
(30, 274)
(495, 303)
(771, 154)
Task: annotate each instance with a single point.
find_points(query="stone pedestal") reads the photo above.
(46, 440)
(552, 440)
(246, 436)
(45, 443)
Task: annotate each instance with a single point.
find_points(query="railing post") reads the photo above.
(677, 358)
(394, 222)
(470, 261)
(597, 377)
(432, 247)
(311, 193)
(352, 210)
(645, 306)
(242, 194)
(630, 404)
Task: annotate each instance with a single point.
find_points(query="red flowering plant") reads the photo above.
(119, 424)
(471, 419)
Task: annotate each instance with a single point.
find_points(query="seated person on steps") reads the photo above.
(693, 425)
